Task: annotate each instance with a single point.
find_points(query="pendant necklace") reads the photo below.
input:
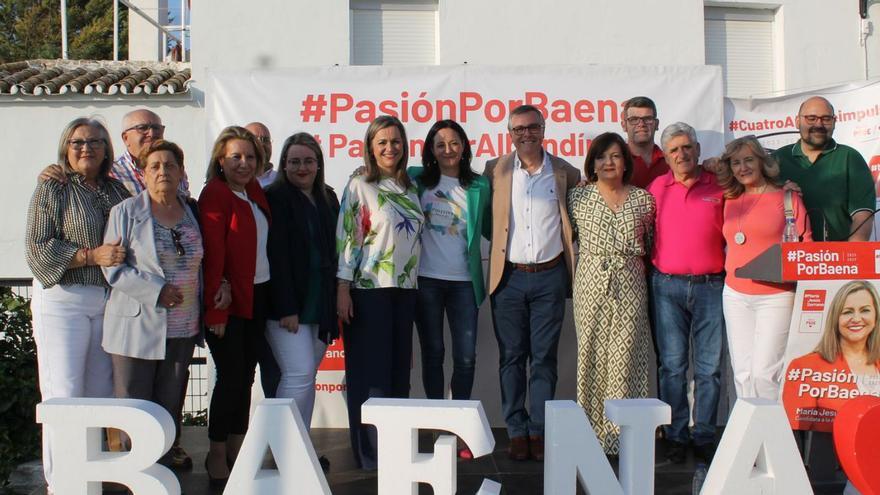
(740, 236)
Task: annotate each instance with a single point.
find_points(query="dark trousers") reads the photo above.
(157, 380)
(270, 373)
(378, 357)
(527, 313)
(235, 358)
(456, 300)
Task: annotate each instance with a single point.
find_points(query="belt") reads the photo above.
(535, 267)
(694, 278)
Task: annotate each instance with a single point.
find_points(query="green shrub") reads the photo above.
(19, 393)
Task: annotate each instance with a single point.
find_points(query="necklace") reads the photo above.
(740, 236)
(612, 198)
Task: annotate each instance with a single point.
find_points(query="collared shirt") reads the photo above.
(63, 218)
(267, 177)
(688, 239)
(124, 170)
(645, 173)
(535, 226)
(834, 187)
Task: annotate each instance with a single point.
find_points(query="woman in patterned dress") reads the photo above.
(613, 225)
(377, 237)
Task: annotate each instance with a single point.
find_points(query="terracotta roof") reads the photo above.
(93, 77)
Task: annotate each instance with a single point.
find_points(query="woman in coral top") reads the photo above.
(756, 314)
(844, 364)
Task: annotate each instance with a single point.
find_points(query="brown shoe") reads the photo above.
(536, 447)
(519, 448)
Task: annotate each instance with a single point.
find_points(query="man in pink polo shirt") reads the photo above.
(686, 285)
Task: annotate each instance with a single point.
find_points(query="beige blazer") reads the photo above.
(499, 171)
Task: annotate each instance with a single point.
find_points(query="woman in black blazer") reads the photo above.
(302, 258)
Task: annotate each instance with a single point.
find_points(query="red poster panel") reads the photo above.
(830, 260)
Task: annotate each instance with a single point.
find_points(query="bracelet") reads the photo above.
(85, 256)
(343, 283)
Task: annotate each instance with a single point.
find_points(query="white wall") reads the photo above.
(818, 41)
(231, 34)
(31, 130)
(144, 39)
(571, 32)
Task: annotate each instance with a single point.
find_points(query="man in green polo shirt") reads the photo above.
(836, 183)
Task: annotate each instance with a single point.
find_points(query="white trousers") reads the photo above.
(298, 356)
(68, 325)
(757, 333)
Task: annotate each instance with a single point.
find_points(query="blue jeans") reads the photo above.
(456, 299)
(688, 307)
(527, 313)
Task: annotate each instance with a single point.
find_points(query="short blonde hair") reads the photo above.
(226, 135)
(727, 181)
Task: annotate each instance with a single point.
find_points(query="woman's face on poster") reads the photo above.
(857, 318)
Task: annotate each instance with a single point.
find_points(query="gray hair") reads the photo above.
(522, 109)
(677, 129)
(68, 131)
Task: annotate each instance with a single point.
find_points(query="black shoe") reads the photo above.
(325, 464)
(705, 452)
(212, 481)
(676, 452)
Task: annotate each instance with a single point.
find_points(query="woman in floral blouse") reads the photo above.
(377, 237)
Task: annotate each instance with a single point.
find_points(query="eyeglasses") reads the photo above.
(643, 120)
(532, 129)
(79, 144)
(178, 246)
(297, 163)
(144, 128)
(264, 139)
(812, 119)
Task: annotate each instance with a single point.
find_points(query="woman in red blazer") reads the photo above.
(235, 225)
(844, 365)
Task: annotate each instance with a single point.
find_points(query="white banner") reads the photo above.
(336, 105)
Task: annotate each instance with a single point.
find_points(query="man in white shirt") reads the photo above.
(530, 268)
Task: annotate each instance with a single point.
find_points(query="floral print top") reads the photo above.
(377, 235)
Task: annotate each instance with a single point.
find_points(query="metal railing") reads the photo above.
(196, 402)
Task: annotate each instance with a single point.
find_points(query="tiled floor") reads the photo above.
(516, 478)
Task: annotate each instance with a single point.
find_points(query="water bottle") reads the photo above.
(699, 478)
(790, 234)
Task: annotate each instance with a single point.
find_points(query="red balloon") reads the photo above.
(857, 441)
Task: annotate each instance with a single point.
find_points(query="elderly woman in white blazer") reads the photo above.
(153, 317)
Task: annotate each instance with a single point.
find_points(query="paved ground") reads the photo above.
(516, 478)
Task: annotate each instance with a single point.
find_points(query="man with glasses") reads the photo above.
(640, 124)
(531, 263)
(140, 128)
(835, 181)
(267, 174)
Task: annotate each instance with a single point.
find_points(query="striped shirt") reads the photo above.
(181, 270)
(63, 218)
(132, 177)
